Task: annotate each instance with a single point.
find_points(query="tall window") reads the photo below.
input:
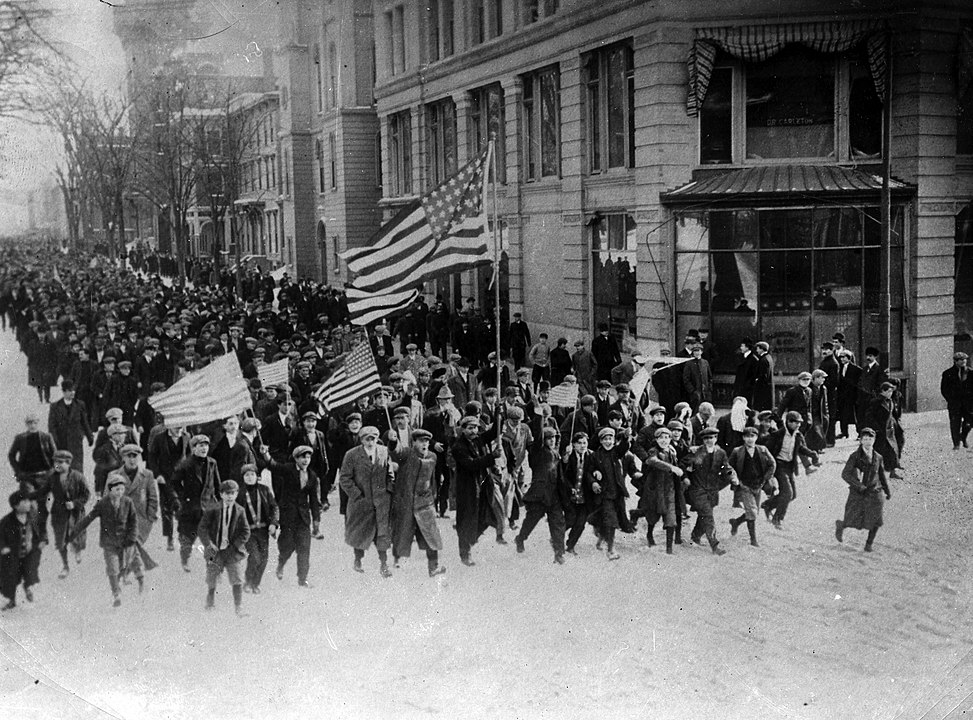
(440, 141)
(332, 76)
(333, 161)
(478, 31)
(433, 34)
(787, 107)
(964, 91)
(790, 276)
(486, 117)
(319, 159)
(534, 10)
(286, 172)
(395, 40)
(400, 153)
(541, 118)
(963, 278)
(610, 80)
(318, 77)
(614, 247)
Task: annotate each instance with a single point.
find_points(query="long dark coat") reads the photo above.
(14, 568)
(369, 488)
(144, 492)
(817, 433)
(119, 527)
(41, 351)
(196, 485)
(473, 459)
(73, 488)
(709, 473)
(867, 487)
(297, 505)
(68, 425)
(658, 496)
(413, 503)
(548, 484)
(580, 489)
(611, 512)
(763, 384)
(889, 437)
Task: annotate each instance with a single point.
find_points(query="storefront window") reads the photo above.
(791, 277)
(614, 247)
(963, 279)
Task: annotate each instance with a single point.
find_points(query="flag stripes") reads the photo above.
(564, 395)
(217, 391)
(369, 307)
(277, 373)
(358, 376)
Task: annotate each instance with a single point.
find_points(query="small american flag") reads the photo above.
(275, 373)
(358, 376)
(564, 395)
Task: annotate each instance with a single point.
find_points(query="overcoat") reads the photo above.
(297, 505)
(413, 503)
(473, 460)
(658, 495)
(12, 566)
(68, 426)
(369, 488)
(867, 486)
(888, 432)
(119, 527)
(73, 488)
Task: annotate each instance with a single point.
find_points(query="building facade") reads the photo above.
(667, 166)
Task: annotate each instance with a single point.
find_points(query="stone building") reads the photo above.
(666, 165)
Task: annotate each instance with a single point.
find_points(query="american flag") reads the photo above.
(564, 395)
(276, 373)
(443, 232)
(213, 393)
(358, 376)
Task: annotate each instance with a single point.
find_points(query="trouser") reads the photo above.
(437, 344)
(186, 546)
(705, 526)
(786, 492)
(829, 437)
(442, 490)
(166, 509)
(540, 372)
(555, 522)
(959, 426)
(223, 560)
(24, 570)
(576, 517)
(519, 355)
(299, 539)
(119, 561)
(258, 547)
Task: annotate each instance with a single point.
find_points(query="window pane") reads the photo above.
(631, 234)
(837, 281)
(594, 113)
(617, 131)
(735, 282)
(787, 333)
(716, 120)
(790, 106)
(616, 232)
(836, 227)
(727, 332)
(549, 123)
(692, 282)
(864, 112)
(785, 229)
(691, 233)
(785, 283)
(963, 275)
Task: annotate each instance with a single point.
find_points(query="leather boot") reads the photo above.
(752, 529)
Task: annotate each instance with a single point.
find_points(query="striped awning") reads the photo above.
(783, 183)
(755, 43)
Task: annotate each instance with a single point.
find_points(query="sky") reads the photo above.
(83, 28)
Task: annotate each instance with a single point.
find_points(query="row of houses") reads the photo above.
(662, 166)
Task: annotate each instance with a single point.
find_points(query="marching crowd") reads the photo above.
(452, 429)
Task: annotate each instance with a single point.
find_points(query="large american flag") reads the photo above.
(213, 393)
(358, 376)
(443, 232)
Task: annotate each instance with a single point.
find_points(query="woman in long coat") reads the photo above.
(413, 502)
(366, 476)
(868, 489)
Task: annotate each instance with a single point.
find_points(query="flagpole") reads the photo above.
(492, 167)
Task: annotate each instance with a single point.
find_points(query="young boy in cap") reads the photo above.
(295, 487)
(141, 487)
(657, 499)
(70, 494)
(195, 484)
(224, 532)
(755, 468)
(547, 495)
(864, 472)
(413, 502)
(786, 446)
(609, 485)
(119, 531)
(578, 469)
(709, 472)
(22, 536)
(262, 516)
(367, 475)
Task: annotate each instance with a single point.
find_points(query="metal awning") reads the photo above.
(776, 184)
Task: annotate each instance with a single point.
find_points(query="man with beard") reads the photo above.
(473, 458)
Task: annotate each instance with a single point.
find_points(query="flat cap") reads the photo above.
(368, 431)
(130, 449)
(248, 467)
(64, 455)
(198, 440)
(229, 486)
(114, 480)
(303, 450)
(709, 432)
(421, 434)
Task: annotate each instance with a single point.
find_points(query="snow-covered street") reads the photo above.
(801, 627)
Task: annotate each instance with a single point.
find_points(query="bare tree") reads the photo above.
(24, 53)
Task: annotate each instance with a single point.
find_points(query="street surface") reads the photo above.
(801, 627)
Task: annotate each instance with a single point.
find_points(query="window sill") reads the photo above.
(545, 184)
(615, 176)
(770, 162)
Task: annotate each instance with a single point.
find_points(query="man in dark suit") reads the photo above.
(829, 364)
(276, 429)
(697, 379)
(846, 392)
(381, 342)
(871, 378)
(746, 371)
(296, 490)
(519, 335)
(763, 382)
(956, 387)
(605, 349)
